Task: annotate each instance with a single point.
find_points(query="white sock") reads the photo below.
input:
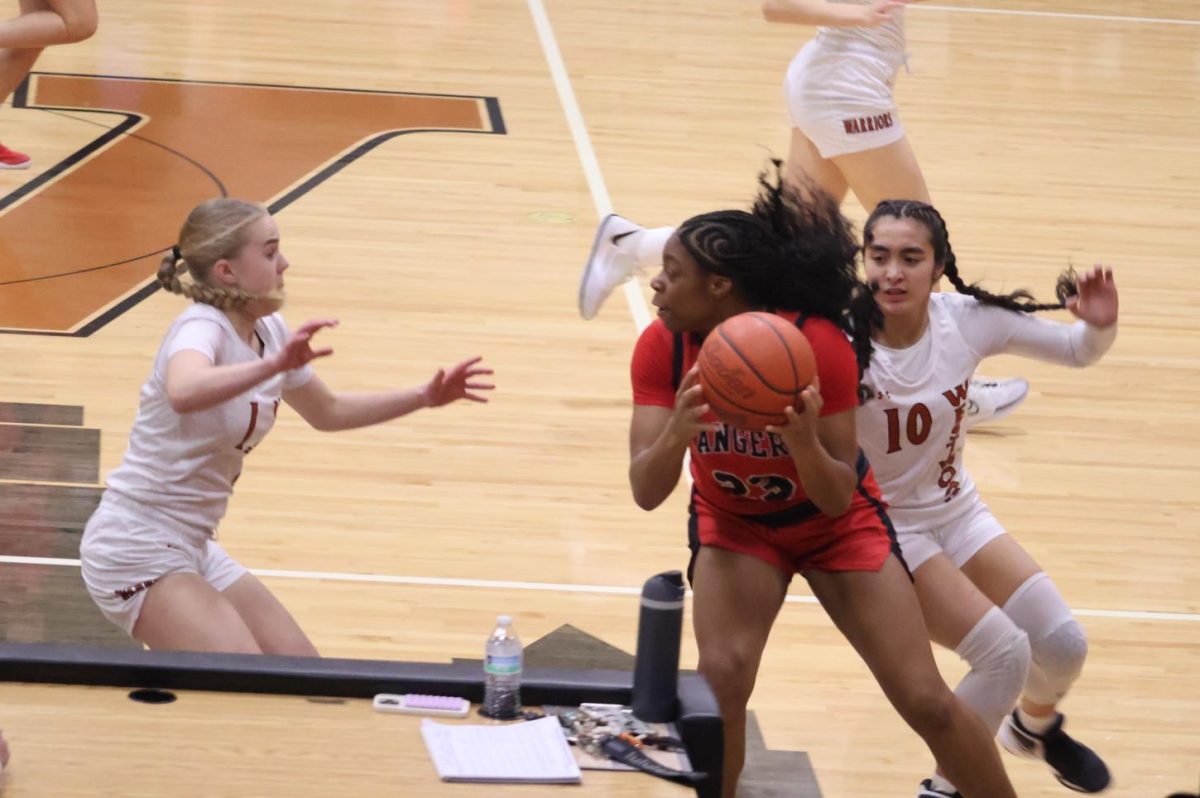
(648, 245)
(939, 783)
(1035, 724)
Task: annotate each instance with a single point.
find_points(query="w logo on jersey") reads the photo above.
(957, 397)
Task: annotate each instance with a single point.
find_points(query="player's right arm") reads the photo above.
(658, 437)
(665, 417)
(822, 12)
(194, 383)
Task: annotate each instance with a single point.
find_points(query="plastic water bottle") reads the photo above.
(502, 660)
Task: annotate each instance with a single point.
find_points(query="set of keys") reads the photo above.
(614, 733)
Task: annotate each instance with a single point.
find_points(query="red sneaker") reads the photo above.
(11, 159)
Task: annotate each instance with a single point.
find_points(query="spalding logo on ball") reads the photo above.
(752, 367)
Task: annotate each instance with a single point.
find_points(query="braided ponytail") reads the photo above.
(169, 269)
(214, 230)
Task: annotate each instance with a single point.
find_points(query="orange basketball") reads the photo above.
(752, 367)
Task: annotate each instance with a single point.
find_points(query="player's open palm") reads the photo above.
(1096, 300)
(458, 382)
(298, 350)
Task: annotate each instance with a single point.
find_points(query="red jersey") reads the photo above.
(747, 472)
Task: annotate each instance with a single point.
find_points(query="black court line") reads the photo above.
(20, 98)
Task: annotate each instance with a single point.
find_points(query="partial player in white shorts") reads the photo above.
(842, 102)
(959, 540)
(127, 547)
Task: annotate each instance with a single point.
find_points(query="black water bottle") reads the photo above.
(656, 671)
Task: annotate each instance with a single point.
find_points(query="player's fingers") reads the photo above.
(691, 378)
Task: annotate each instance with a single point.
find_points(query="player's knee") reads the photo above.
(1061, 654)
(730, 672)
(998, 650)
(81, 26)
(927, 706)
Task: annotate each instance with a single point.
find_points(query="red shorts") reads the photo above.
(859, 540)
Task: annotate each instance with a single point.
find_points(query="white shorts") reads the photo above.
(842, 100)
(128, 546)
(960, 540)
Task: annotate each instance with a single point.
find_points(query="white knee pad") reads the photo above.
(1058, 642)
(998, 653)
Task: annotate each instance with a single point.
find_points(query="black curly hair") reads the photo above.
(793, 250)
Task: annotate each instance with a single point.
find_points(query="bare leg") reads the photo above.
(735, 601)
(805, 165)
(880, 615)
(182, 612)
(998, 652)
(950, 603)
(14, 66)
(46, 22)
(890, 172)
(273, 627)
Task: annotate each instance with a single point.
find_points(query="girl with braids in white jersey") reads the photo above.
(149, 555)
(981, 594)
(846, 136)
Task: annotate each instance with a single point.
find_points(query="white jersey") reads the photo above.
(886, 40)
(184, 465)
(912, 426)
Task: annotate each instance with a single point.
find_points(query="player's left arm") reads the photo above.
(1083, 343)
(328, 411)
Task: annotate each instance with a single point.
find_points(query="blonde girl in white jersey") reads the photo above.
(981, 594)
(149, 555)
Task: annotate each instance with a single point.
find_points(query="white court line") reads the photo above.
(583, 145)
(1011, 12)
(556, 587)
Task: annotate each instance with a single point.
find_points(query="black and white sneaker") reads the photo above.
(927, 790)
(608, 265)
(1074, 764)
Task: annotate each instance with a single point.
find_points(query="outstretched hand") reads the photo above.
(450, 386)
(800, 431)
(298, 350)
(1096, 301)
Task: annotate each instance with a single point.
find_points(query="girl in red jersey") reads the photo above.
(797, 498)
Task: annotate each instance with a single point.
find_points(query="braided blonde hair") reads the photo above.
(215, 229)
